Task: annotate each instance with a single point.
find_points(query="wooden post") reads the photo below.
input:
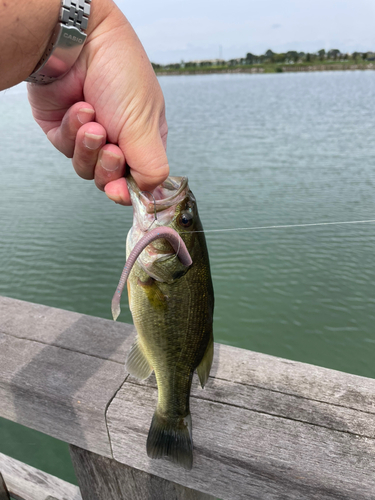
(103, 478)
(4, 494)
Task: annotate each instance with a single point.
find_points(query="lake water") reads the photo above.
(259, 150)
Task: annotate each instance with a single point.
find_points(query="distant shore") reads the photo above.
(266, 68)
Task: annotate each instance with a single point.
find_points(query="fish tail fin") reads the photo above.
(171, 439)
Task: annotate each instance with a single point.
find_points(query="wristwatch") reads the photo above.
(65, 44)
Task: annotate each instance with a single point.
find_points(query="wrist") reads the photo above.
(33, 21)
(66, 43)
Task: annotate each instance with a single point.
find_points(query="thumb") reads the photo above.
(149, 167)
(148, 161)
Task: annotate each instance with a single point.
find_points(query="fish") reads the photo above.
(171, 299)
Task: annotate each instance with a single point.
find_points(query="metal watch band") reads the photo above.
(65, 44)
(75, 13)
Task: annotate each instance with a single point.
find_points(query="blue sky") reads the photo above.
(175, 30)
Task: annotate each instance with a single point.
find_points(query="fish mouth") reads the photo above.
(156, 208)
(153, 210)
(164, 196)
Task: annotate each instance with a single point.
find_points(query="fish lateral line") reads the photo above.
(163, 232)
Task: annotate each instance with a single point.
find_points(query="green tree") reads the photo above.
(250, 58)
(333, 54)
(292, 55)
(322, 54)
(279, 58)
(310, 57)
(269, 55)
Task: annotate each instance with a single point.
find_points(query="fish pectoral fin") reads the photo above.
(204, 366)
(155, 296)
(137, 364)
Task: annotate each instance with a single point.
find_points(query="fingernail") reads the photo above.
(93, 141)
(110, 161)
(85, 115)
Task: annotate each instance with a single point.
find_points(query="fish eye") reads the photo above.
(185, 219)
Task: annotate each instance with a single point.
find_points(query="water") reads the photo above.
(259, 150)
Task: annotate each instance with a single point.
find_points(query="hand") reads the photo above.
(108, 110)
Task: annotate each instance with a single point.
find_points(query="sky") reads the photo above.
(175, 30)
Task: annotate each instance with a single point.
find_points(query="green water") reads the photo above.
(259, 150)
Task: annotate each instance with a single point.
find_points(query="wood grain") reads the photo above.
(47, 380)
(241, 454)
(102, 478)
(27, 483)
(108, 340)
(4, 493)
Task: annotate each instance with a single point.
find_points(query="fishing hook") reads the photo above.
(155, 213)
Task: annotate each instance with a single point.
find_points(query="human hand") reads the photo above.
(108, 110)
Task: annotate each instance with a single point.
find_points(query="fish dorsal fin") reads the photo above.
(137, 364)
(204, 366)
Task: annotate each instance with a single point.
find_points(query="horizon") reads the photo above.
(175, 30)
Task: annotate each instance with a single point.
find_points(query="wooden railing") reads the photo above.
(263, 428)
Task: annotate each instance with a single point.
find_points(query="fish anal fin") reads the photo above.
(137, 364)
(204, 366)
(171, 439)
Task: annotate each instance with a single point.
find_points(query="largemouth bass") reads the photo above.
(171, 301)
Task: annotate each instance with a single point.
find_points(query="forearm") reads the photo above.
(26, 27)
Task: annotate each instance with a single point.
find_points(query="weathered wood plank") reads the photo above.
(27, 483)
(294, 378)
(57, 391)
(4, 493)
(258, 441)
(102, 478)
(59, 370)
(98, 337)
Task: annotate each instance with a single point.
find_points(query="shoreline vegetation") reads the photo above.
(271, 62)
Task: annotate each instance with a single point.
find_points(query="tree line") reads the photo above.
(270, 57)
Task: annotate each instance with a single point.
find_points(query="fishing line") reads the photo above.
(155, 213)
(179, 246)
(254, 228)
